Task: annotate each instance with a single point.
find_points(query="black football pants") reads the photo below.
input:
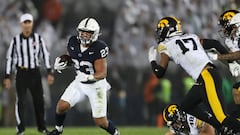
(29, 80)
(209, 92)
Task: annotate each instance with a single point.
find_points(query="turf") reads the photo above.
(92, 131)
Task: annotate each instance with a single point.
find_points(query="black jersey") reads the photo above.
(84, 61)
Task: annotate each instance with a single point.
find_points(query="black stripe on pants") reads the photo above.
(29, 80)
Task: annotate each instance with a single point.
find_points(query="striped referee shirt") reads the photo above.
(25, 53)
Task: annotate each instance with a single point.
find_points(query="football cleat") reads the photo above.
(44, 131)
(55, 132)
(116, 132)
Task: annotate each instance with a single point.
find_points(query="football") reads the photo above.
(67, 59)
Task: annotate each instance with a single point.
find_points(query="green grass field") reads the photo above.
(92, 131)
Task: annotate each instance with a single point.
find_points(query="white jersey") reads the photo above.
(194, 124)
(233, 45)
(187, 51)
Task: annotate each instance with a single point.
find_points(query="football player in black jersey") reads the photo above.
(88, 55)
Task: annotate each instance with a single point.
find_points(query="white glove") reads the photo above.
(82, 77)
(59, 65)
(212, 56)
(234, 68)
(152, 54)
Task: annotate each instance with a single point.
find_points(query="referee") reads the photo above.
(24, 53)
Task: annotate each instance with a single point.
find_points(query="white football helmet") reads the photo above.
(89, 25)
(235, 21)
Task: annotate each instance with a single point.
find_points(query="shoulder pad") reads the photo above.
(99, 43)
(161, 48)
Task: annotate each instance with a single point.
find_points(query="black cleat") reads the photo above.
(54, 132)
(44, 131)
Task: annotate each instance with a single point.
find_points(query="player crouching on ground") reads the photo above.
(88, 54)
(182, 123)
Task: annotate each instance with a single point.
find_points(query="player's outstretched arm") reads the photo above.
(224, 54)
(230, 56)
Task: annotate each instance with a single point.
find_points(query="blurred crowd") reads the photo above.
(137, 97)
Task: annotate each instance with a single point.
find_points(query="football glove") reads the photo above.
(152, 54)
(82, 77)
(212, 56)
(59, 65)
(234, 68)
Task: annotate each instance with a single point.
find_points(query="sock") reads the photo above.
(59, 121)
(111, 127)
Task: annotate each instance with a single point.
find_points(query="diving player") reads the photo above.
(182, 123)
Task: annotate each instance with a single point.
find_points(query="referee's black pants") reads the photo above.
(208, 91)
(29, 80)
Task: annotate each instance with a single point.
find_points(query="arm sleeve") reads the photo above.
(211, 43)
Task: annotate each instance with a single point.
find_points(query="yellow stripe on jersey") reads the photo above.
(161, 48)
(212, 96)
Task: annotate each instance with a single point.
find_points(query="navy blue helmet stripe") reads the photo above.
(86, 22)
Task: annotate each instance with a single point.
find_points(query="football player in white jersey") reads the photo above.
(229, 22)
(182, 123)
(88, 54)
(187, 51)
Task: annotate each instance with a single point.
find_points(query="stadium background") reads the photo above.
(137, 97)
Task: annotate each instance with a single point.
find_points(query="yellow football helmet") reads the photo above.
(168, 27)
(175, 118)
(224, 21)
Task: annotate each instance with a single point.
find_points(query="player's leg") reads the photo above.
(70, 97)
(214, 98)
(97, 95)
(107, 125)
(192, 104)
